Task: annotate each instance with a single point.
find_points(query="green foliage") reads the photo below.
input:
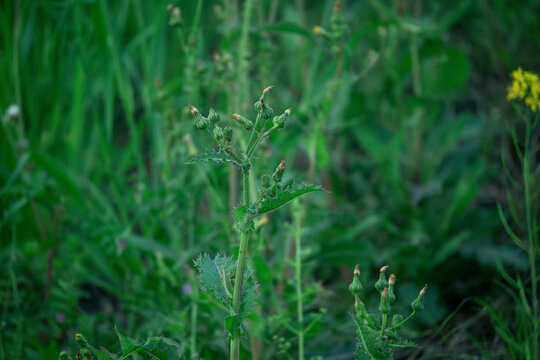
(217, 157)
(154, 348)
(376, 341)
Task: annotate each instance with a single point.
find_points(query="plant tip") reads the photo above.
(423, 291)
(193, 109)
(384, 268)
(268, 89)
(288, 111)
(356, 270)
(392, 279)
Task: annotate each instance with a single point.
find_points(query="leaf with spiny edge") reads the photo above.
(282, 197)
(243, 220)
(217, 157)
(216, 276)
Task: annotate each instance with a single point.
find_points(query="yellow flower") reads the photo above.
(525, 86)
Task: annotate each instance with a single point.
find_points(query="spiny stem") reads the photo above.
(239, 278)
(298, 280)
(531, 242)
(383, 325)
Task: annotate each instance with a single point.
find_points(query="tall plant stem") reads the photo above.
(532, 249)
(239, 278)
(298, 280)
(243, 68)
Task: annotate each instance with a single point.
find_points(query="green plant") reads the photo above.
(155, 348)
(521, 335)
(376, 340)
(225, 278)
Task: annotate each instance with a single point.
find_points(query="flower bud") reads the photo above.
(85, 354)
(268, 89)
(266, 111)
(356, 287)
(218, 133)
(245, 123)
(266, 181)
(81, 340)
(213, 116)
(391, 282)
(418, 303)
(228, 133)
(64, 356)
(200, 121)
(278, 174)
(384, 307)
(381, 283)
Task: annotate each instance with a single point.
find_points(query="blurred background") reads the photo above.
(398, 109)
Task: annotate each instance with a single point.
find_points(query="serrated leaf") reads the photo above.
(163, 348)
(127, 345)
(250, 294)
(217, 157)
(230, 323)
(216, 276)
(243, 220)
(282, 197)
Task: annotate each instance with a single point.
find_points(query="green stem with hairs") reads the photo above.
(298, 280)
(533, 244)
(239, 278)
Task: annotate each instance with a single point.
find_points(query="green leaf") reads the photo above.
(217, 157)
(127, 345)
(282, 197)
(243, 220)
(163, 348)
(448, 71)
(216, 276)
(250, 294)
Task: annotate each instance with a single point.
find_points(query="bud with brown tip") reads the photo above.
(381, 283)
(278, 174)
(245, 123)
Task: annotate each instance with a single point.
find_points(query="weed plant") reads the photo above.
(226, 279)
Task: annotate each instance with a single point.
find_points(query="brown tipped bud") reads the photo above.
(246, 124)
(385, 292)
(337, 5)
(392, 280)
(268, 89)
(356, 270)
(423, 291)
(384, 268)
(278, 174)
(176, 11)
(288, 111)
(170, 7)
(193, 109)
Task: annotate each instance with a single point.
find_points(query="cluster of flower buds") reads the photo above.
(270, 184)
(386, 288)
(338, 28)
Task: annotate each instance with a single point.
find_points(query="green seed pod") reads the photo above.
(381, 283)
(356, 287)
(384, 307)
(266, 181)
(218, 133)
(391, 282)
(278, 174)
(418, 303)
(228, 134)
(64, 356)
(245, 123)
(213, 116)
(81, 340)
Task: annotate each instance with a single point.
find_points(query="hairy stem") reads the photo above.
(239, 278)
(532, 244)
(298, 280)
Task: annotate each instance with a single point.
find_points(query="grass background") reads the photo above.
(402, 121)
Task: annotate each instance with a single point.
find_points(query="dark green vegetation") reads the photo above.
(399, 110)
